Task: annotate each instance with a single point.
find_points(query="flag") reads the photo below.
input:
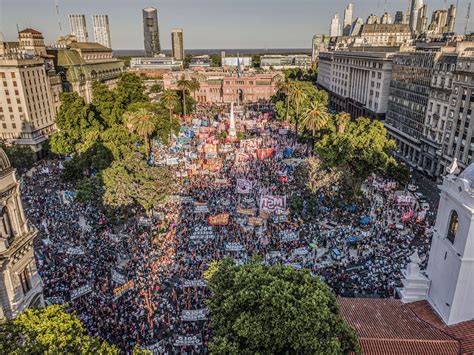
(238, 66)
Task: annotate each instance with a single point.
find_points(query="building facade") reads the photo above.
(222, 87)
(415, 7)
(335, 27)
(78, 26)
(347, 25)
(151, 32)
(20, 283)
(177, 44)
(100, 25)
(385, 35)
(408, 101)
(357, 82)
(231, 62)
(279, 62)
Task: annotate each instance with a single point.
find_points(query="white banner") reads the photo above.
(194, 283)
(81, 291)
(244, 186)
(202, 232)
(187, 340)
(234, 247)
(288, 236)
(117, 277)
(272, 203)
(193, 315)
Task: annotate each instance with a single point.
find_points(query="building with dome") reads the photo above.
(20, 284)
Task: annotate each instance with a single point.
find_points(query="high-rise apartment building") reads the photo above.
(177, 44)
(399, 18)
(319, 43)
(151, 32)
(100, 25)
(372, 19)
(422, 21)
(348, 12)
(386, 19)
(78, 27)
(415, 7)
(335, 29)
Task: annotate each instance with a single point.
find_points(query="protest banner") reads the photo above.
(264, 153)
(172, 161)
(300, 251)
(194, 283)
(226, 148)
(283, 131)
(54, 300)
(288, 236)
(201, 207)
(187, 340)
(250, 144)
(157, 348)
(404, 199)
(244, 157)
(80, 291)
(193, 315)
(202, 232)
(255, 221)
(75, 251)
(221, 219)
(296, 266)
(119, 291)
(234, 247)
(244, 186)
(272, 203)
(246, 211)
(117, 277)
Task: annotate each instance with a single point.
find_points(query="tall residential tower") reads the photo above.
(78, 27)
(346, 30)
(100, 24)
(415, 7)
(151, 32)
(335, 29)
(177, 45)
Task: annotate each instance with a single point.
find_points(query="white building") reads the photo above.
(347, 26)
(335, 29)
(100, 24)
(78, 27)
(415, 7)
(357, 81)
(231, 62)
(160, 62)
(279, 62)
(177, 44)
(451, 266)
(20, 282)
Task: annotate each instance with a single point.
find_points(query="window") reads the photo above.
(25, 280)
(453, 226)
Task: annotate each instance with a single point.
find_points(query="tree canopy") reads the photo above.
(49, 330)
(258, 309)
(21, 157)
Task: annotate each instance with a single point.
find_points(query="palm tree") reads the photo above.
(297, 95)
(195, 86)
(315, 118)
(342, 120)
(184, 85)
(169, 100)
(143, 122)
(284, 87)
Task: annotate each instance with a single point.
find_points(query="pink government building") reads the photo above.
(218, 87)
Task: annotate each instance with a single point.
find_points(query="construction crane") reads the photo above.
(467, 18)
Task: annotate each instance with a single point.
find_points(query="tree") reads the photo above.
(315, 118)
(107, 105)
(284, 86)
(49, 330)
(259, 309)
(130, 89)
(297, 95)
(143, 122)
(184, 85)
(342, 120)
(156, 88)
(21, 157)
(169, 100)
(194, 86)
(132, 180)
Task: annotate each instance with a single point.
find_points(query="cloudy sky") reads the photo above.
(207, 24)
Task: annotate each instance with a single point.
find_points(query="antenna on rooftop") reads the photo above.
(467, 18)
(58, 17)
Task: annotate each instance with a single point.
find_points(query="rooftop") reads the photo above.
(30, 30)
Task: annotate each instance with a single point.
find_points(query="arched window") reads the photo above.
(453, 226)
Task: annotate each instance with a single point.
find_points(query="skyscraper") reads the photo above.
(177, 45)
(78, 27)
(451, 18)
(348, 19)
(399, 17)
(100, 24)
(151, 32)
(415, 7)
(335, 29)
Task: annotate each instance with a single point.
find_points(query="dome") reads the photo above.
(4, 162)
(468, 175)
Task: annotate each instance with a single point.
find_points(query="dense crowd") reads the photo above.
(142, 283)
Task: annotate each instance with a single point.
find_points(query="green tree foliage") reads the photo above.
(21, 157)
(184, 85)
(49, 330)
(156, 88)
(130, 89)
(258, 309)
(315, 118)
(107, 104)
(143, 122)
(132, 180)
(216, 60)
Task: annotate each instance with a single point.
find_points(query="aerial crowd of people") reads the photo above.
(141, 283)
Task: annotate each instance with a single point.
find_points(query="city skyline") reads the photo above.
(298, 20)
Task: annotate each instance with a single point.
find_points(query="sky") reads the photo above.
(207, 24)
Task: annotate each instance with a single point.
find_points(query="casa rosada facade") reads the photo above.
(216, 87)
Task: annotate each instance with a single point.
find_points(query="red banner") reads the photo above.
(264, 153)
(219, 219)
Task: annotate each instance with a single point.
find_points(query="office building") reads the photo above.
(231, 62)
(225, 87)
(319, 43)
(335, 29)
(384, 35)
(347, 25)
(279, 62)
(357, 27)
(21, 283)
(422, 20)
(357, 81)
(372, 19)
(451, 19)
(399, 18)
(408, 101)
(177, 44)
(415, 7)
(151, 32)
(100, 25)
(31, 42)
(154, 66)
(386, 19)
(78, 26)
